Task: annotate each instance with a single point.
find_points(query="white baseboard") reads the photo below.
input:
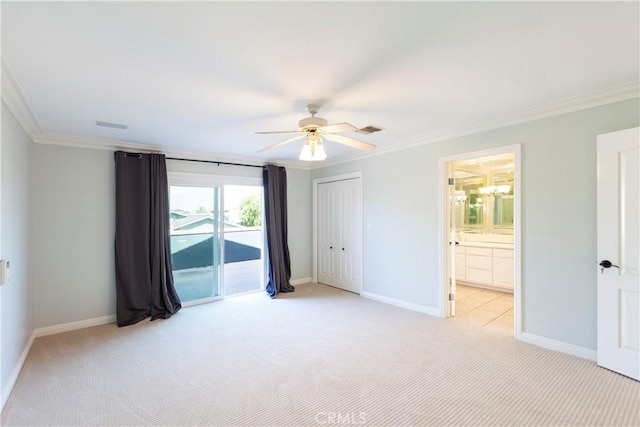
(41, 332)
(6, 392)
(300, 281)
(403, 304)
(72, 326)
(560, 346)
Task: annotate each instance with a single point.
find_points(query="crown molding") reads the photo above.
(568, 105)
(76, 141)
(13, 98)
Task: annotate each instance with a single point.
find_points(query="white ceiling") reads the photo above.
(201, 77)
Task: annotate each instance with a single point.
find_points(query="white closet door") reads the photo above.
(340, 234)
(326, 234)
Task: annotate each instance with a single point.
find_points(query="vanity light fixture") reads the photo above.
(495, 189)
(487, 190)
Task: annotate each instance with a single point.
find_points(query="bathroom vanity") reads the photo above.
(485, 264)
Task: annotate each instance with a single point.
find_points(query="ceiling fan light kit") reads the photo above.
(313, 128)
(313, 150)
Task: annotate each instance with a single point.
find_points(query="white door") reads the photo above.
(452, 240)
(327, 234)
(350, 235)
(340, 234)
(618, 216)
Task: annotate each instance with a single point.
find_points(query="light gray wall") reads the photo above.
(299, 222)
(16, 296)
(73, 234)
(74, 226)
(400, 198)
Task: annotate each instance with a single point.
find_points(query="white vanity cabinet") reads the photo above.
(479, 265)
(503, 268)
(485, 266)
(461, 270)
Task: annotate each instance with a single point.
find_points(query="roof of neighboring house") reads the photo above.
(191, 219)
(180, 212)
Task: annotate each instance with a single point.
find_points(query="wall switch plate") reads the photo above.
(4, 271)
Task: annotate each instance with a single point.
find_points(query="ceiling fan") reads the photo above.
(312, 128)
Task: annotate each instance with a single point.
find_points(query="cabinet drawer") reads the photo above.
(503, 272)
(479, 262)
(478, 276)
(503, 253)
(473, 250)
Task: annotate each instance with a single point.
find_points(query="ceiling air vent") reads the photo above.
(369, 129)
(111, 125)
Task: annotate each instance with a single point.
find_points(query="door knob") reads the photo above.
(605, 263)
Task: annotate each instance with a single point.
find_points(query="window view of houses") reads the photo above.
(214, 252)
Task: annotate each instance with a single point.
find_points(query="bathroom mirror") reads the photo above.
(484, 199)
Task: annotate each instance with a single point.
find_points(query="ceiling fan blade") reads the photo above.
(338, 128)
(360, 145)
(286, 141)
(282, 131)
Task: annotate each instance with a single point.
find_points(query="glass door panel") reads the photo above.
(196, 241)
(243, 240)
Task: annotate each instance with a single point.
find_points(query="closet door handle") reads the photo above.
(330, 247)
(343, 249)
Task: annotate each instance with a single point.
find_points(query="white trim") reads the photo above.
(75, 141)
(41, 332)
(13, 378)
(341, 177)
(314, 222)
(402, 304)
(562, 347)
(568, 105)
(15, 100)
(301, 281)
(516, 150)
(72, 326)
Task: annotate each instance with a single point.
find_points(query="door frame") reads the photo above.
(514, 149)
(195, 179)
(314, 213)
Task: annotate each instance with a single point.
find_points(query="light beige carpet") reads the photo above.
(317, 357)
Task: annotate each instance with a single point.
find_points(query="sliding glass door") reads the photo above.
(196, 241)
(216, 236)
(243, 239)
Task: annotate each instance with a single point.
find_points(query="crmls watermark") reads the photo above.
(340, 418)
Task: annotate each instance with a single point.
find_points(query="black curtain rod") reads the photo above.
(139, 155)
(215, 162)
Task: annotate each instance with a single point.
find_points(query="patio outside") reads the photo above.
(195, 263)
(200, 267)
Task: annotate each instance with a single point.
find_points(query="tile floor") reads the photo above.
(491, 309)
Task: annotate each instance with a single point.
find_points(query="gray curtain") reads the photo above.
(275, 201)
(144, 277)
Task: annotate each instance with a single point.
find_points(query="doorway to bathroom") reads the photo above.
(481, 238)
